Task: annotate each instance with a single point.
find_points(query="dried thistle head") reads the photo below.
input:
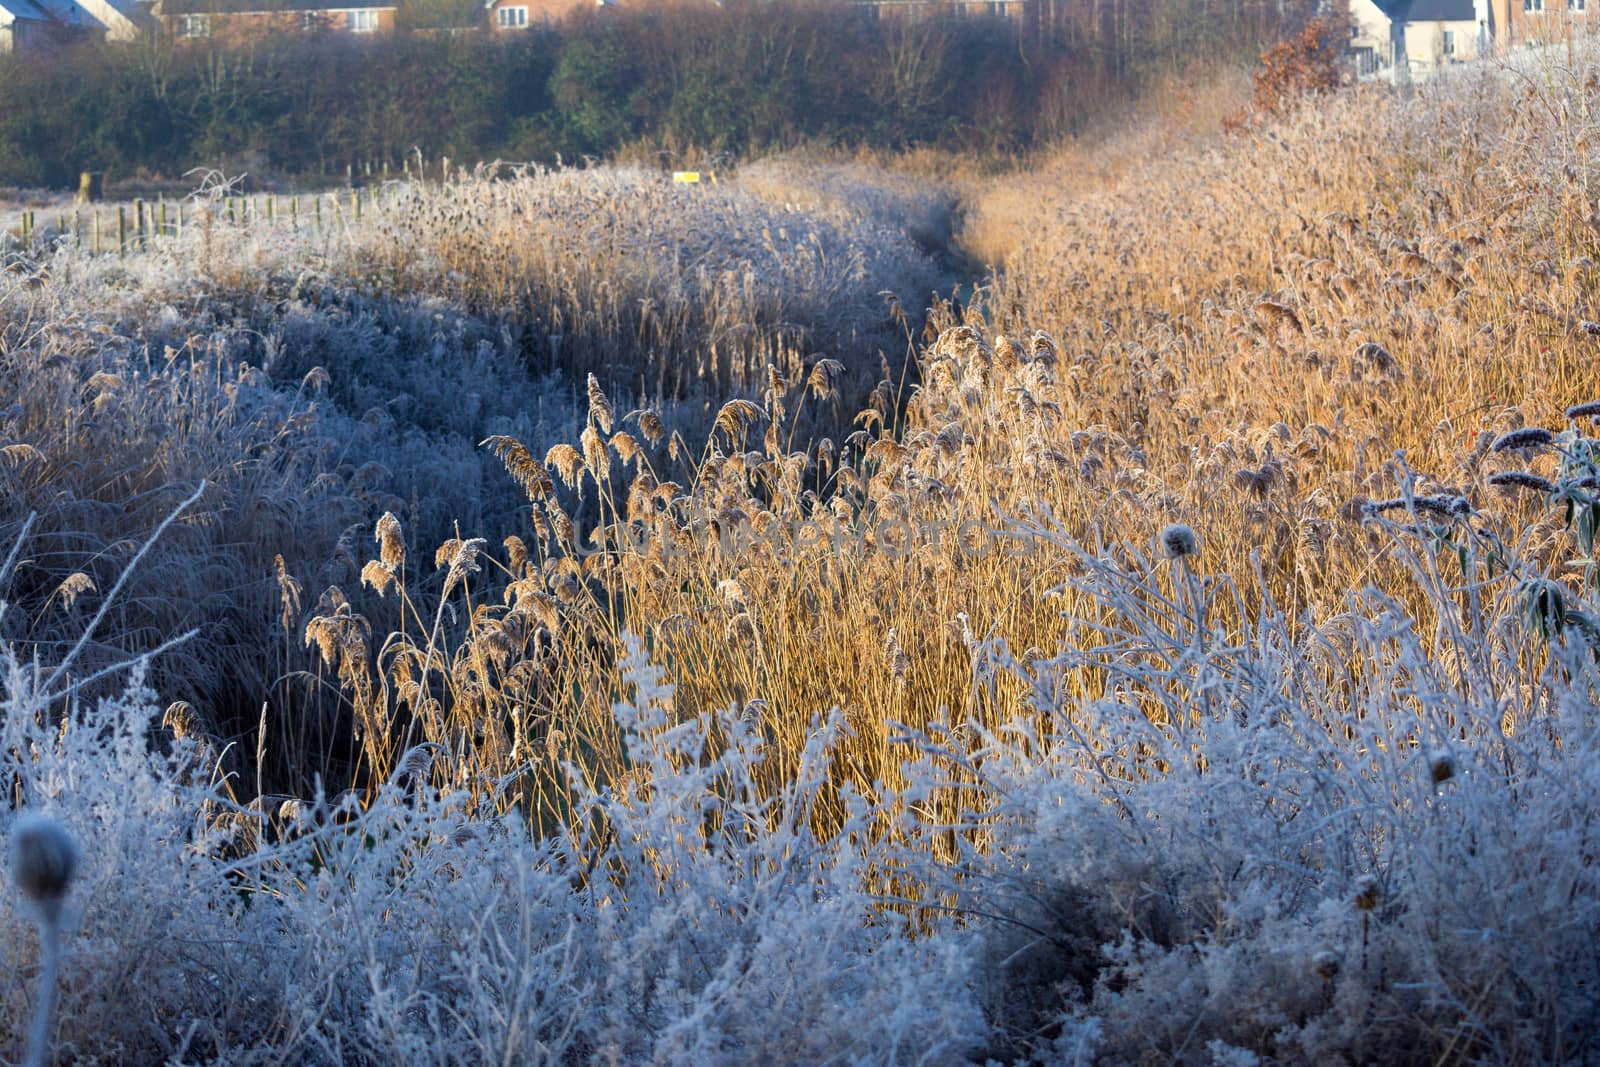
(1441, 765)
(1367, 893)
(44, 859)
(1178, 541)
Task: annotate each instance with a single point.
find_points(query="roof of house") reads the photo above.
(24, 9)
(67, 12)
(264, 7)
(1428, 10)
(1442, 11)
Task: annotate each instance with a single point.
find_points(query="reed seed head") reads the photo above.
(391, 545)
(1521, 480)
(1527, 439)
(1590, 410)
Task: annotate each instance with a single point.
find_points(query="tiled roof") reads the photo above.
(252, 7)
(1428, 10)
(23, 9)
(1442, 11)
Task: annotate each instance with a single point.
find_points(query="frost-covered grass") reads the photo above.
(1193, 658)
(1366, 842)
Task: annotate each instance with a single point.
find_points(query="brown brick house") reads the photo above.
(1520, 22)
(509, 16)
(238, 21)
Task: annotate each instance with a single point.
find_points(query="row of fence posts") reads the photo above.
(142, 224)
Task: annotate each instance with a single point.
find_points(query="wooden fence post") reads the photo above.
(91, 186)
(122, 229)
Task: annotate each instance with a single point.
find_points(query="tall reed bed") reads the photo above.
(1191, 658)
(319, 373)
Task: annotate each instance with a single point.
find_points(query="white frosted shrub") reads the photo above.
(1328, 849)
(688, 922)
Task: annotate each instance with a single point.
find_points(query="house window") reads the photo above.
(194, 26)
(310, 21)
(1533, 5)
(1580, 6)
(1449, 42)
(361, 21)
(511, 18)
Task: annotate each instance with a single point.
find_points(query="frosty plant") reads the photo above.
(43, 861)
(1575, 488)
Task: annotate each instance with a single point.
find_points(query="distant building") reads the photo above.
(31, 26)
(509, 16)
(26, 27)
(239, 21)
(1411, 39)
(1016, 10)
(1532, 22)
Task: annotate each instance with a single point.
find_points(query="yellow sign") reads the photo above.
(690, 177)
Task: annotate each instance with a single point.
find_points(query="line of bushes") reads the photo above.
(734, 80)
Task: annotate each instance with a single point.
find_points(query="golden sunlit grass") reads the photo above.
(1240, 338)
(1237, 333)
(1194, 646)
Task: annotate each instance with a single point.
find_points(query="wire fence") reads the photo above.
(121, 229)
